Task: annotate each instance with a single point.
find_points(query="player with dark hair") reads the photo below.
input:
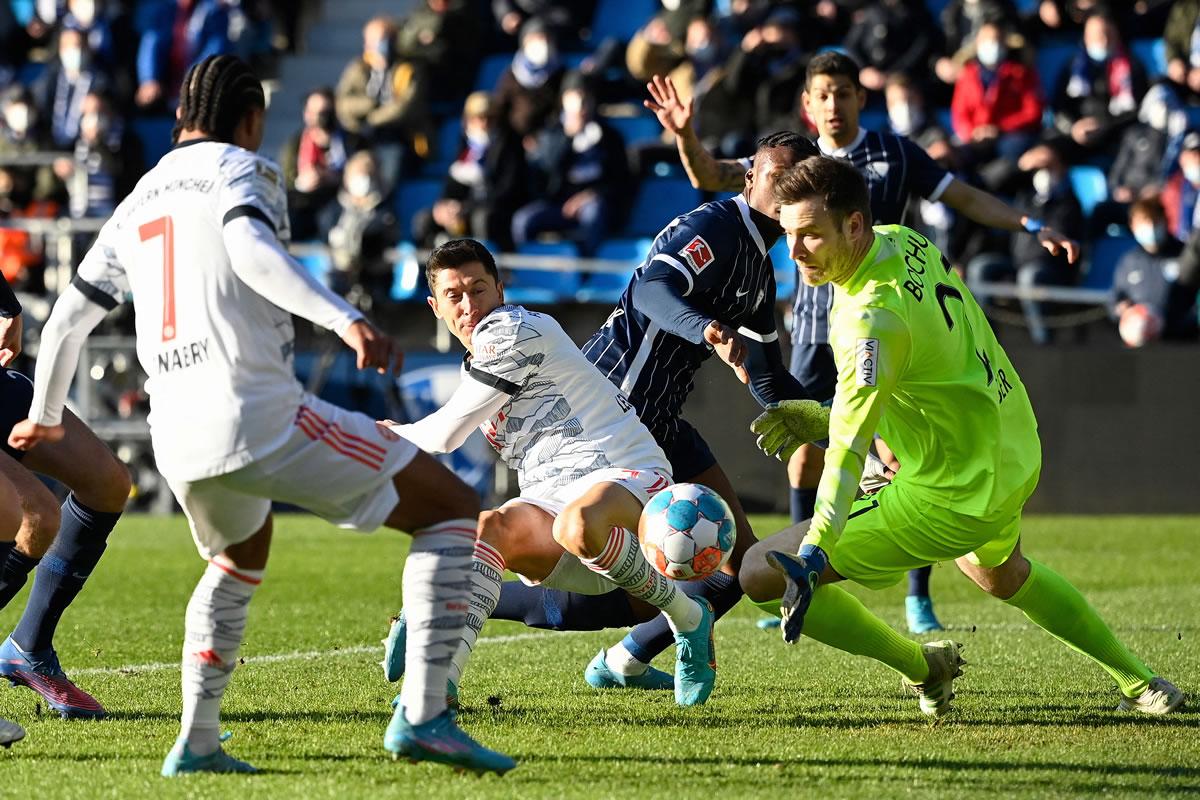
(707, 285)
(200, 246)
(916, 361)
(896, 170)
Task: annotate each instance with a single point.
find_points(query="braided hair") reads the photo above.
(215, 95)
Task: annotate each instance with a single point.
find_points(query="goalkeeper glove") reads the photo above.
(786, 425)
(801, 572)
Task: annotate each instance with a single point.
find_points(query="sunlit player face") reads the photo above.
(823, 250)
(462, 296)
(833, 104)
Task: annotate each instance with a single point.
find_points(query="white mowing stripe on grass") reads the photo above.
(302, 655)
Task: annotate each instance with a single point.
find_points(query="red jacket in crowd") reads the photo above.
(1013, 103)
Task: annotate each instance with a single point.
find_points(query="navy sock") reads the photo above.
(552, 609)
(650, 638)
(804, 503)
(81, 540)
(15, 567)
(918, 581)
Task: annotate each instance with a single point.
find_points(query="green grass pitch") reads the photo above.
(309, 706)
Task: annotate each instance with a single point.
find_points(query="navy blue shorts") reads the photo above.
(688, 453)
(16, 396)
(813, 366)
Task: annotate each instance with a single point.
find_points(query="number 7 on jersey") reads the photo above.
(164, 227)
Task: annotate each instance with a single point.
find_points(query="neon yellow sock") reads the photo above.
(1053, 604)
(838, 619)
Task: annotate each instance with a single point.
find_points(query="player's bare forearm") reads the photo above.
(981, 207)
(705, 172)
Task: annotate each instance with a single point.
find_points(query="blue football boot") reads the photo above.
(393, 649)
(441, 741)
(181, 761)
(696, 660)
(41, 672)
(918, 612)
(599, 675)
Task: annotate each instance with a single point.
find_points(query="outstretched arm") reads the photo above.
(705, 172)
(989, 210)
(445, 430)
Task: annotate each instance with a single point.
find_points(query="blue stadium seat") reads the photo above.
(539, 286)
(873, 119)
(1106, 252)
(607, 287)
(29, 72)
(1153, 55)
(944, 120)
(573, 61)
(408, 282)
(23, 10)
(621, 19)
(785, 271)
(318, 264)
(445, 149)
(935, 7)
(1052, 58)
(490, 70)
(412, 195)
(635, 130)
(658, 201)
(155, 135)
(1089, 185)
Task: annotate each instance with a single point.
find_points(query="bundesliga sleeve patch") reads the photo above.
(866, 362)
(698, 254)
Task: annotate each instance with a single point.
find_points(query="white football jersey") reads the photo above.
(563, 419)
(218, 355)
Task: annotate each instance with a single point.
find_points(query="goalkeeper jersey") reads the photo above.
(917, 361)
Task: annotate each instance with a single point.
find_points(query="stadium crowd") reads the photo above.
(520, 122)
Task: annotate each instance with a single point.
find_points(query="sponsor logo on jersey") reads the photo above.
(698, 254)
(866, 361)
(879, 168)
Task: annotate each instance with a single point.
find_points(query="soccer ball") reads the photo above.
(1139, 326)
(687, 532)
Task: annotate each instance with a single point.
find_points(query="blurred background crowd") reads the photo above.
(520, 122)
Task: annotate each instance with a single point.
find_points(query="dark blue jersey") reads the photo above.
(896, 168)
(717, 257)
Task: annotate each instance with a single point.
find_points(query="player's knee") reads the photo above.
(496, 529)
(575, 530)
(115, 484)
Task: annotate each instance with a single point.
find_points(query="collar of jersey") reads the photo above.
(191, 142)
(880, 250)
(744, 209)
(841, 152)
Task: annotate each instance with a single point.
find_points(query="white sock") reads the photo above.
(622, 563)
(437, 591)
(487, 575)
(213, 628)
(622, 662)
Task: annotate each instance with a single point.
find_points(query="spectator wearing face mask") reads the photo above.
(486, 183)
(20, 135)
(583, 175)
(1050, 198)
(313, 159)
(385, 100)
(1148, 275)
(110, 158)
(1098, 91)
(997, 107)
(961, 21)
(60, 90)
(88, 17)
(365, 228)
(1180, 195)
(527, 92)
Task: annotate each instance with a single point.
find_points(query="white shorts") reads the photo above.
(338, 464)
(570, 574)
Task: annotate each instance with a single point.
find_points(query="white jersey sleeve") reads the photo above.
(252, 186)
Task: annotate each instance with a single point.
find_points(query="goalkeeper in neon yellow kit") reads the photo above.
(918, 364)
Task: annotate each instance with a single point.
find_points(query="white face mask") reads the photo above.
(1157, 116)
(537, 51)
(1148, 236)
(1097, 52)
(17, 117)
(990, 53)
(904, 118)
(71, 58)
(84, 11)
(1192, 173)
(1043, 182)
(359, 185)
